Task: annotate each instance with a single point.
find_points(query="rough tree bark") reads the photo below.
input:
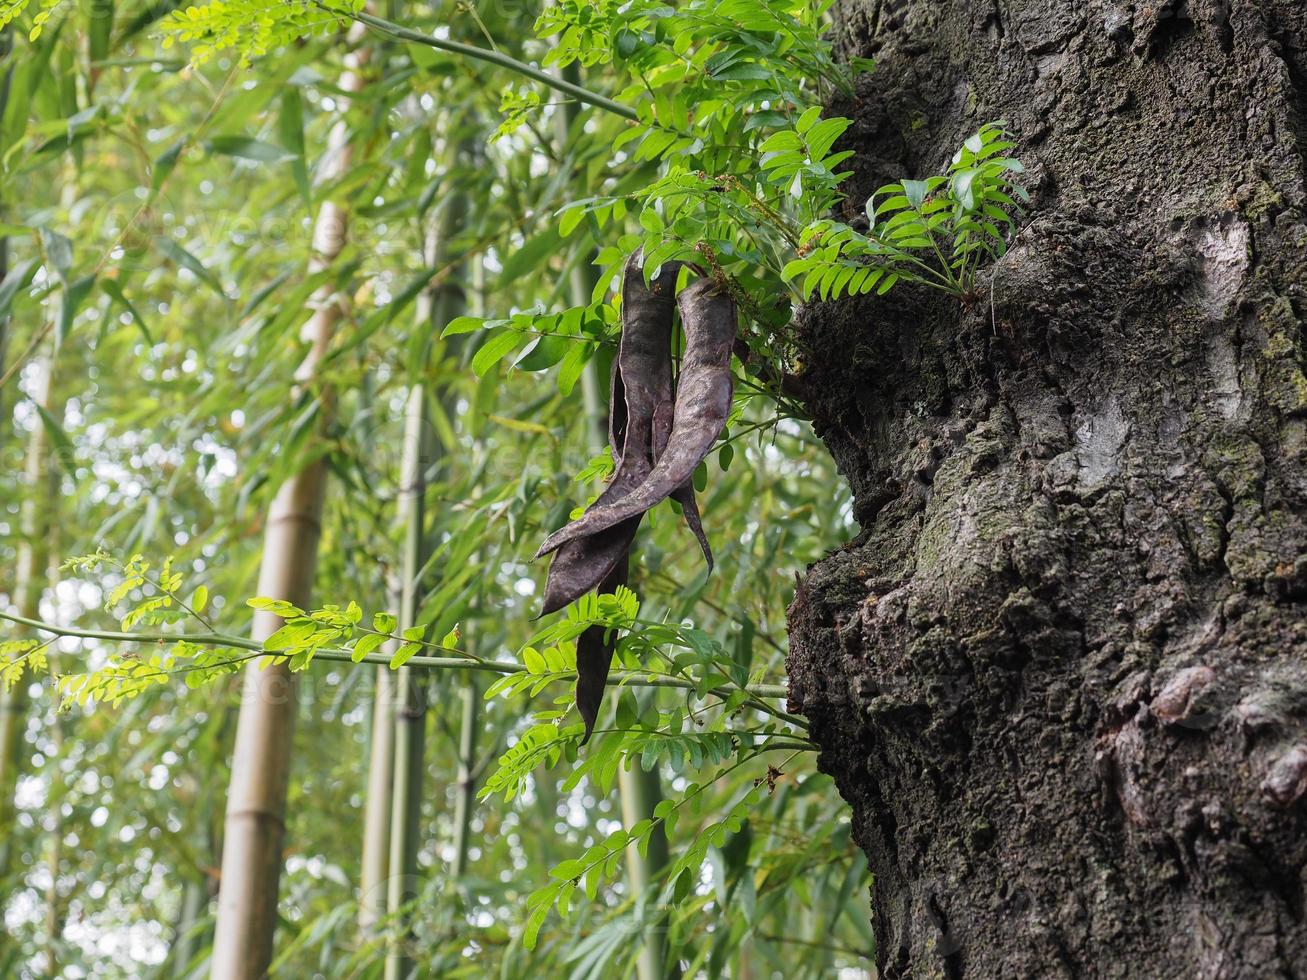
(1061, 673)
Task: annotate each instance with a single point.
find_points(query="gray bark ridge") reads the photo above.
(1061, 674)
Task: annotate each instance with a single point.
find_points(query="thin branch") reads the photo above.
(578, 92)
(336, 655)
(771, 937)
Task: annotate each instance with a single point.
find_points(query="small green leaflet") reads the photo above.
(188, 261)
(245, 148)
(494, 350)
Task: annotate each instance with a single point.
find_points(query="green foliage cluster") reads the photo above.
(253, 27)
(937, 232)
(11, 9)
(714, 86)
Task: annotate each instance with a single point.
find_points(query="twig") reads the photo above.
(577, 92)
(635, 678)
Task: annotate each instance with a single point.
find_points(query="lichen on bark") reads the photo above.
(1061, 674)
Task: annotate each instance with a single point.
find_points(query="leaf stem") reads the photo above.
(578, 92)
(635, 678)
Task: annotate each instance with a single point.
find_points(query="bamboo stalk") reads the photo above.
(376, 814)
(470, 694)
(375, 863)
(641, 792)
(30, 580)
(54, 916)
(31, 577)
(436, 308)
(256, 799)
(411, 701)
(465, 799)
(55, 912)
(185, 942)
(6, 46)
(4, 320)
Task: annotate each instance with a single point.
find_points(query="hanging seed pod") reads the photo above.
(702, 405)
(659, 430)
(684, 494)
(594, 658)
(642, 380)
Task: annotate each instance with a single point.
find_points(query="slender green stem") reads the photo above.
(577, 92)
(185, 606)
(946, 283)
(658, 821)
(338, 655)
(943, 263)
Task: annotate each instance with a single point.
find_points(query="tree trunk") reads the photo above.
(1061, 673)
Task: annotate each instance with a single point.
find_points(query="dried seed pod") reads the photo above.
(684, 494)
(642, 380)
(659, 432)
(703, 402)
(594, 658)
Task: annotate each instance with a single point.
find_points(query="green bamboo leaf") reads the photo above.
(19, 277)
(188, 261)
(290, 132)
(61, 446)
(58, 251)
(495, 349)
(244, 148)
(74, 294)
(164, 164)
(536, 251)
(115, 292)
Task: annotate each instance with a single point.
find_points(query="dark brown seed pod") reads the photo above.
(642, 380)
(702, 405)
(659, 431)
(684, 494)
(594, 658)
